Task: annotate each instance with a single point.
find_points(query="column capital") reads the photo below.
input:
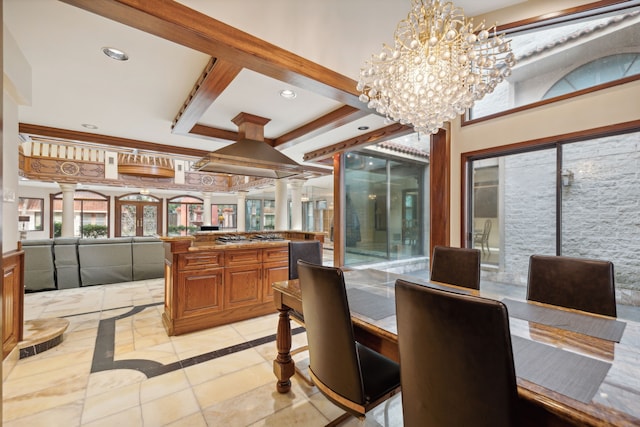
(65, 186)
(296, 183)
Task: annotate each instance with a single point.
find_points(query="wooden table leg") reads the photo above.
(283, 366)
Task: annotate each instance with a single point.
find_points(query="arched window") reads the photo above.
(90, 214)
(184, 215)
(602, 70)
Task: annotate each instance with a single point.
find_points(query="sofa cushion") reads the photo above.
(65, 253)
(148, 258)
(104, 261)
(39, 270)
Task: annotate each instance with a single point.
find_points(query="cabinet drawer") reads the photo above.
(275, 254)
(200, 260)
(243, 257)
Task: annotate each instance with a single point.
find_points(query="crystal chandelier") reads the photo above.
(440, 65)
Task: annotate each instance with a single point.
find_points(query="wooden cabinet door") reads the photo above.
(200, 292)
(273, 272)
(242, 285)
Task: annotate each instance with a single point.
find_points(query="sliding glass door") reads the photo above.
(573, 198)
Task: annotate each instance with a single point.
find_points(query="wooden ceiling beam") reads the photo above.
(71, 135)
(215, 78)
(392, 131)
(339, 117)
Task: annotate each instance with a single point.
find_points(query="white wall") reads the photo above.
(17, 90)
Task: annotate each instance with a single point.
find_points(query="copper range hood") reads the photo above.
(250, 155)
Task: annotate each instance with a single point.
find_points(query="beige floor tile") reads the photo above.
(163, 385)
(170, 408)
(233, 384)
(114, 379)
(50, 361)
(197, 343)
(193, 420)
(62, 416)
(22, 398)
(252, 406)
(215, 368)
(110, 403)
(256, 328)
(302, 414)
(128, 418)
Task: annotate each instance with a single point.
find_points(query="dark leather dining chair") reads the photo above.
(350, 375)
(310, 251)
(456, 266)
(456, 359)
(578, 283)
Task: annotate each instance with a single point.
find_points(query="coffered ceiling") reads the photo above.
(196, 64)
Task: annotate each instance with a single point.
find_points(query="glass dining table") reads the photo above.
(572, 367)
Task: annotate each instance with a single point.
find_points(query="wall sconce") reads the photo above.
(567, 177)
(144, 191)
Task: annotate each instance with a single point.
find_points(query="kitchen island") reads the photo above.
(215, 278)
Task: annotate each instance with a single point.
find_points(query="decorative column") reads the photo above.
(206, 205)
(242, 208)
(282, 219)
(68, 191)
(296, 204)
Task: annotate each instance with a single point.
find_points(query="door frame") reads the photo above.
(119, 202)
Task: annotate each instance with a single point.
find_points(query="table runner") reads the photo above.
(607, 329)
(570, 374)
(368, 304)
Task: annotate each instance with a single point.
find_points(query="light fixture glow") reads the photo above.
(117, 54)
(363, 127)
(89, 126)
(288, 94)
(144, 191)
(439, 66)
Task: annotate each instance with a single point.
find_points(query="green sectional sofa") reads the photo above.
(64, 263)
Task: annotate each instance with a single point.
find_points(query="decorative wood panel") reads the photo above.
(12, 300)
(242, 286)
(273, 272)
(201, 293)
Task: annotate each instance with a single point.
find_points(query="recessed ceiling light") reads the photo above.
(288, 94)
(89, 126)
(363, 128)
(116, 54)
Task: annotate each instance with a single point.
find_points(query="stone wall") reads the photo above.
(600, 209)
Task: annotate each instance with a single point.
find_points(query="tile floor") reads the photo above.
(116, 366)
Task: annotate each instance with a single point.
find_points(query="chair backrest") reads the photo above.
(333, 358)
(310, 251)
(456, 266)
(456, 359)
(579, 283)
(487, 230)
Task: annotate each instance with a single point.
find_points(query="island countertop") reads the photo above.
(209, 283)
